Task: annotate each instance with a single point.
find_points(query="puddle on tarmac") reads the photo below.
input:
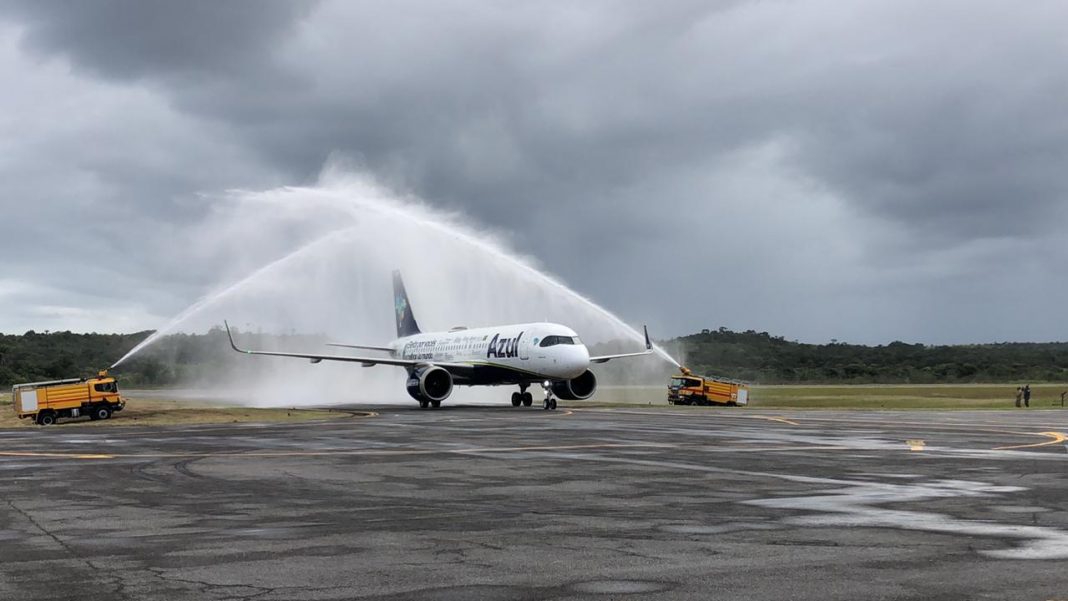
(1020, 509)
(720, 529)
(619, 587)
(854, 503)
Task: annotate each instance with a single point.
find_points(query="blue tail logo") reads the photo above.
(406, 325)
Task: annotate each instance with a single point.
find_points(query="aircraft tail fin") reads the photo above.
(406, 325)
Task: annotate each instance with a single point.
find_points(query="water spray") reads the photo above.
(349, 234)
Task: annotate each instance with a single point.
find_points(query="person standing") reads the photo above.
(1019, 395)
(1027, 395)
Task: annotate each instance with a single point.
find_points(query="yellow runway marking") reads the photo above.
(915, 444)
(56, 455)
(1057, 437)
(770, 419)
(718, 415)
(328, 452)
(564, 413)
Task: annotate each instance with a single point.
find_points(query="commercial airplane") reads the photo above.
(547, 354)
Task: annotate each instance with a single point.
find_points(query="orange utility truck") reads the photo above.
(46, 402)
(688, 389)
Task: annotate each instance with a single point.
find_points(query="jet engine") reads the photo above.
(430, 383)
(578, 388)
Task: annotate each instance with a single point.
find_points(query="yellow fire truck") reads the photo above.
(46, 402)
(688, 389)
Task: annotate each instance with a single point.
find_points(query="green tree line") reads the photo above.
(754, 356)
(762, 358)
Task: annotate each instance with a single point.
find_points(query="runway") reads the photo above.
(501, 503)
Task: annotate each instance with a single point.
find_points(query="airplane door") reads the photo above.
(524, 348)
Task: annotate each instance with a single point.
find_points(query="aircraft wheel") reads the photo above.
(435, 404)
(545, 405)
(528, 399)
(552, 404)
(423, 403)
(516, 399)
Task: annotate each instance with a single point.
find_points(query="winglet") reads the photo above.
(648, 343)
(231, 337)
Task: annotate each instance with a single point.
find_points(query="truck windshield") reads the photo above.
(106, 387)
(684, 382)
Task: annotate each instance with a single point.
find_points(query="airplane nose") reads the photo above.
(570, 361)
(580, 360)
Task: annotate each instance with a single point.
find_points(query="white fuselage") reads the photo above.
(538, 351)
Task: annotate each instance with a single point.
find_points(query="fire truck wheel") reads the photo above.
(101, 412)
(46, 418)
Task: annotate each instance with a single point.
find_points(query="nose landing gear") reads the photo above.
(549, 404)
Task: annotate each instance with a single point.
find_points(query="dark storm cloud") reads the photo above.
(951, 134)
(139, 38)
(838, 139)
(956, 134)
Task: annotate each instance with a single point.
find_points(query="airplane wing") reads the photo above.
(648, 350)
(364, 361)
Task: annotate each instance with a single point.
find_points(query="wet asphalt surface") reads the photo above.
(503, 503)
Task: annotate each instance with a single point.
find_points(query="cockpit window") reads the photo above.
(555, 340)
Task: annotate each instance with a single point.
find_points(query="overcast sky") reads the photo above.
(866, 171)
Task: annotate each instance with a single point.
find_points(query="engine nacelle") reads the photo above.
(578, 388)
(430, 384)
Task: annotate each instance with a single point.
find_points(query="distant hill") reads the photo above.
(754, 356)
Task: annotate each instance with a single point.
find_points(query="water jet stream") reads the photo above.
(319, 287)
(206, 301)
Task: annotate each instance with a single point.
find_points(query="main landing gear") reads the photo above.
(526, 399)
(522, 397)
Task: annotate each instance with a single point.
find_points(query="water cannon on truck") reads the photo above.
(46, 402)
(689, 389)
